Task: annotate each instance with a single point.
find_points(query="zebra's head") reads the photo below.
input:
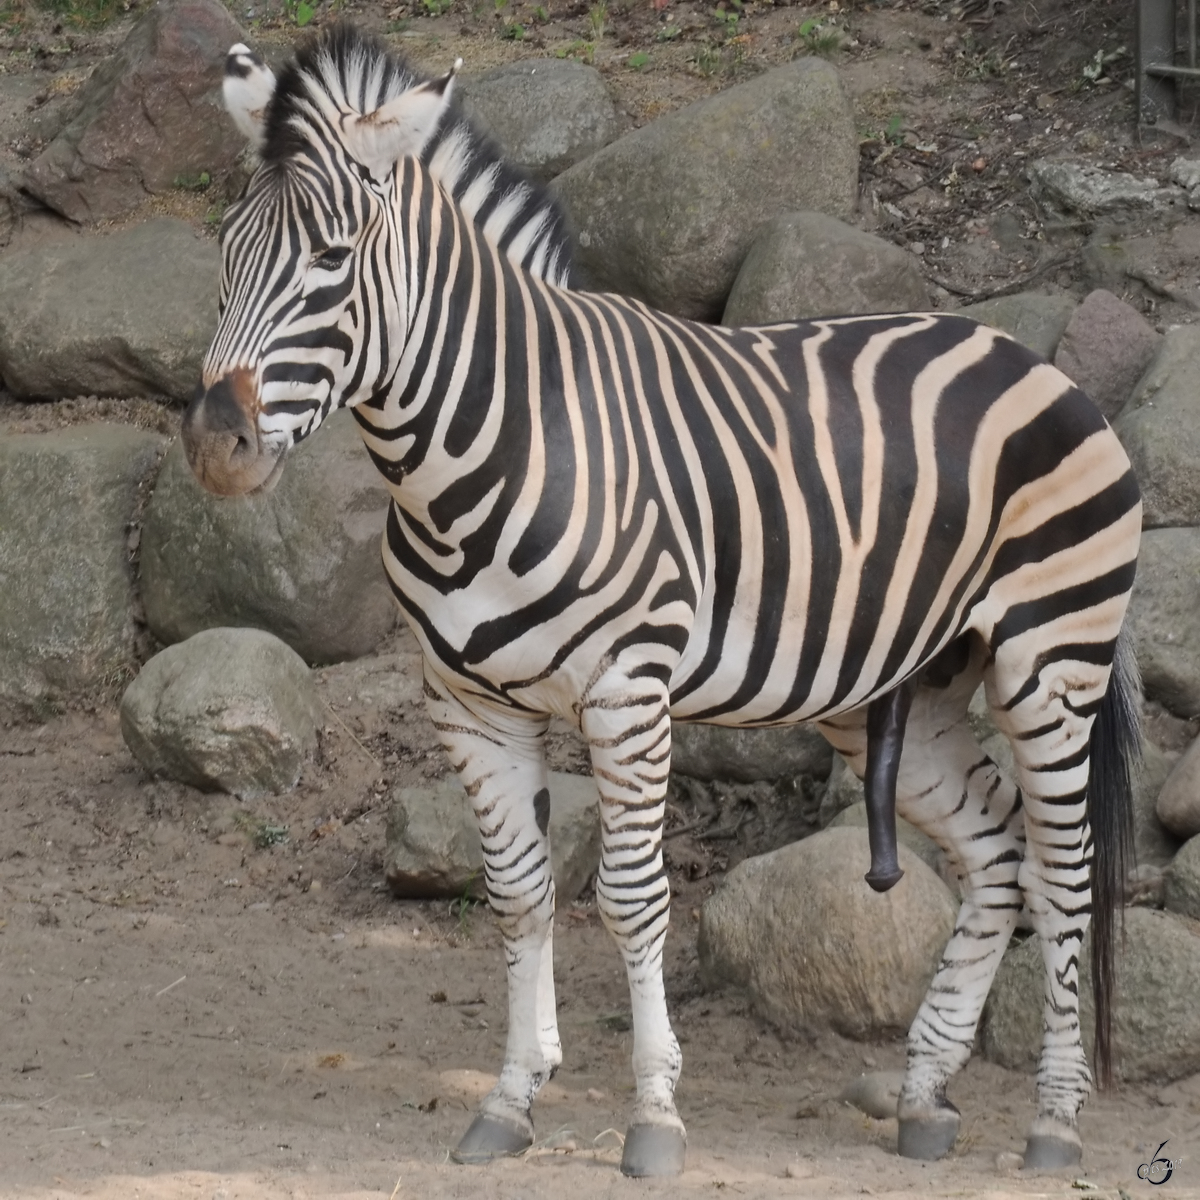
(303, 327)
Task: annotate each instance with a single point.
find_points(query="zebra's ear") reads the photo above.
(401, 127)
(249, 86)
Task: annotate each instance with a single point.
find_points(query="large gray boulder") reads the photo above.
(1160, 429)
(302, 561)
(1181, 881)
(1157, 1025)
(433, 846)
(123, 314)
(747, 755)
(1105, 348)
(230, 710)
(843, 790)
(547, 114)
(667, 212)
(815, 947)
(1153, 841)
(149, 118)
(811, 264)
(1037, 322)
(1164, 615)
(1179, 799)
(66, 589)
(923, 846)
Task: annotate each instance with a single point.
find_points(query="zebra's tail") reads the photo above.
(1116, 753)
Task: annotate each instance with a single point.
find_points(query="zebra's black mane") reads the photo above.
(343, 60)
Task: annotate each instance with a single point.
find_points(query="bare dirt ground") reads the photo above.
(191, 1008)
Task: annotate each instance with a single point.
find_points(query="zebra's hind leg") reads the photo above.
(497, 754)
(626, 722)
(1044, 700)
(950, 790)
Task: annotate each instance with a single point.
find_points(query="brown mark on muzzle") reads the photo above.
(222, 441)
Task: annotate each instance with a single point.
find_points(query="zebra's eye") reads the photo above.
(333, 258)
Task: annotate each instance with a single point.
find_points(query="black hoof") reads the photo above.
(653, 1150)
(489, 1138)
(1044, 1153)
(929, 1138)
(881, 881)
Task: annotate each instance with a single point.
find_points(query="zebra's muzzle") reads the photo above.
(222, 440)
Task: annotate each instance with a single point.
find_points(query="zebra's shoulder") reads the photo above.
(348, 70)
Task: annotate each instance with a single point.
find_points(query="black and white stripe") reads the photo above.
(625, 519)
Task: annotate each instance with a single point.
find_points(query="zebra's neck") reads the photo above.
(456, 408)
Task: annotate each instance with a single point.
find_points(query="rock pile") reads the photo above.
(733, 208)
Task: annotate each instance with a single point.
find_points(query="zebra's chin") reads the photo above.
(226, 450)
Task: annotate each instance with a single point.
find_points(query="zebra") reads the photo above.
(608, 514)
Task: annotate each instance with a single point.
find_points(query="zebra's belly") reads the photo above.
(801, 676)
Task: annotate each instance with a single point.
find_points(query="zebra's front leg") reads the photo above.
(628, 729)
(498, 756)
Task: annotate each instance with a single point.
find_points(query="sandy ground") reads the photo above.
(190, 1013)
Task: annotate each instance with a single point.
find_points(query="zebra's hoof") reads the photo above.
(653, 1150)
(491, 1137)
(1047, 1153)
(929, 1138)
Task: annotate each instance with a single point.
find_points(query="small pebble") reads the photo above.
(1008, 1160)
(596, 1094)
(798, 1170)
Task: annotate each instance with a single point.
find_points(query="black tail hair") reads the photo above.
(1116, 754)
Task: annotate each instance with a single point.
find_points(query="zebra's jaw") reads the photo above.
(224, 446)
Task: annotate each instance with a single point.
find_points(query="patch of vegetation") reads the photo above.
(299, 12)
(583, 50)
(82, 14)
(437, 8)
(706, 60)
(638, 60)
(193, 183)
(598, 19)
(819, 38)
(668, 33)
(1095, 71)
(262, 833)
(726, 17)
(461, 908)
